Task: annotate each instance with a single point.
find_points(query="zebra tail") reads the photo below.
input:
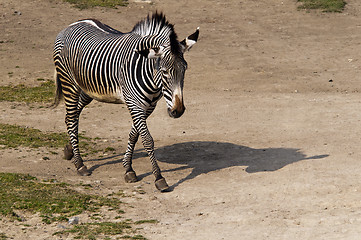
(58, 92)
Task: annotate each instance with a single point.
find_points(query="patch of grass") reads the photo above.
(21, 93)
(139, 237)
(324, 5)
(146, 221)
(54, 201)
(57, 202)
(109, 149)
(83, 4)
(92, 230)
(3, 236)
(15, 136)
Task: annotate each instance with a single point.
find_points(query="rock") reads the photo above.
(142, 1)
(61, 226)
(73, 220)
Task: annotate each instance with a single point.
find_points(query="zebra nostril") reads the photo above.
(174, 112)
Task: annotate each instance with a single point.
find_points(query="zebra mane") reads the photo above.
(158, 25)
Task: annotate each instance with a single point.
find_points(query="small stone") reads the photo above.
(143, 1)
(73, 220)
(61, 226)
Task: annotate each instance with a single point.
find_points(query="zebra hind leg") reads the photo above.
(74, 105)
(68, 152)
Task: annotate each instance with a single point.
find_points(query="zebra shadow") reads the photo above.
(204, 157)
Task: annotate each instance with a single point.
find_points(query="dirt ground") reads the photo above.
(268, 145)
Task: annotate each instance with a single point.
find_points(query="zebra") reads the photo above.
(95, 61)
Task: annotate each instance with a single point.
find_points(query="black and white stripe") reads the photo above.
(95, 61)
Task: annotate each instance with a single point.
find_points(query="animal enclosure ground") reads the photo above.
(267, 147)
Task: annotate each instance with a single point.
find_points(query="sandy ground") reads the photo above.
(268, 145)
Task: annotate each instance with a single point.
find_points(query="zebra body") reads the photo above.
(95, 61)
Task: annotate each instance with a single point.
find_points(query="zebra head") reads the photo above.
(170, 68)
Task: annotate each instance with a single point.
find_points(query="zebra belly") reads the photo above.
(113, 97)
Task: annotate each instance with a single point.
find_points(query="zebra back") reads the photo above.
(106, 63)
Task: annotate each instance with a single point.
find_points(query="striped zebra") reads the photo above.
(95, 61)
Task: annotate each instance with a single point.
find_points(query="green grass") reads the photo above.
(3, 236)
(57, 202)
(324, 5)
(54, 201)
(83, 4)
(109, 149)
(146, 221)
(21, 93)
(15, 136)
(92, 230)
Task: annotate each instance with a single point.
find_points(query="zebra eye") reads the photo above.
(165, 73)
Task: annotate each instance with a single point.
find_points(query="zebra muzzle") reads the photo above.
(178, 108)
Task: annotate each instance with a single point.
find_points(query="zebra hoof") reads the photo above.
(130, 177)
(68, 152)
(83, 171)
(161, 185)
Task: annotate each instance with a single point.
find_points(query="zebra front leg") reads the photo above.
(148, 144)
(130, 175)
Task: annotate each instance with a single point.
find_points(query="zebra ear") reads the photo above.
(151, 53)
(188, 43)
